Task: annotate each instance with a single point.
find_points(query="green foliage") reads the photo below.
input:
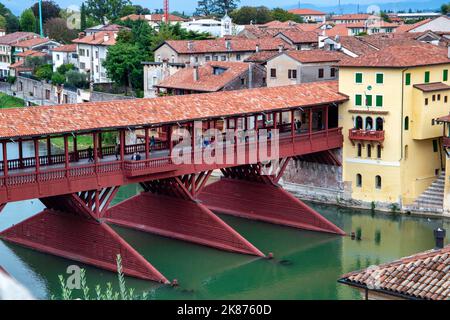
(62, 69)
(58, 78)
(2, 22)
(372, 206)
(284, 15)
(10, 102)
(101, 294)
(103, 10)
(27, 21)
(445, 8)
(57, 29)
(44, 72)
(83, 18)
(76, 79)
(261, 15)
(11, 80)
(394, 208)
(49, 10)
(34, 62)
(12, 22)
(216, 8)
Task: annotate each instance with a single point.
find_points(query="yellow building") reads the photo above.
(392, 142)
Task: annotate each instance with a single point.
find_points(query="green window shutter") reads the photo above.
(358, 100)
(445, 75)
(358, 77)
(435, 146)
(368, 100)
(408, 79)
(380, 78)
(379, 101)
(427, 76)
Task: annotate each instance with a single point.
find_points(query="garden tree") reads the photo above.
(58, 78)
(246, 14)
(179, 14)
(34, 62)
(384, 16)
(2, 23)
(106, 10)
(44, 72)
(12, 22)
(56, 28)
(83, 18)
(28, 21)
(445, 8)
(49, 10)
(204, 8)
(223, 6)
(77, 79)
(133, 9)
(284, 15)
(64, 68)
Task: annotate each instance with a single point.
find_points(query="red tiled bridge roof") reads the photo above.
(38, 121)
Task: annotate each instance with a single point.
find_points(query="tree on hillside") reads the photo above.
(28, 21)
(204, 8)
(247, 15)
(49, 10)
(83, 18)
(106, 10)
(284, 15)
(223, 6)
(12, 22)
(2, 22)
(56, 28)
(445, 8)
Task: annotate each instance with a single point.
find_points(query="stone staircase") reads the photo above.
(432, 199)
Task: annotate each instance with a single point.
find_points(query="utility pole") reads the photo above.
(40, 19)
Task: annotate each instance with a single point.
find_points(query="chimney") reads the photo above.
(228, 44)
(250, 75)
(106, 37)
(196, 74)
(257, 48)
(81, 35)
(280, 48)
(439, 236)
(190, 45)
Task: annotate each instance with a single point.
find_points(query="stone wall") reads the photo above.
(103, 96)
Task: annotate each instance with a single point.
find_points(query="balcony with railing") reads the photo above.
(446, 142)
(366, 135)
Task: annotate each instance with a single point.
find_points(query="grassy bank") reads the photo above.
(84, 142)
(10, 102)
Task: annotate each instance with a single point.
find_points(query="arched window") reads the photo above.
(369, 123)
(358, 122)
(378, 182)
(379, 124)
(369, 151)
(379, 151)
(406, 123)
(358, 180)
(359, 146)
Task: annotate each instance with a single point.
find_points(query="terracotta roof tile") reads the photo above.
(14, 37)
(66, 48)
(69, 118)
(430, 87)
(207, 81)
(422, 273)
(262, 56)
(356, 45)
(298, 36)
(309, 26)
(316, 56)
(399, 56)
(358, 16)
(31, 53)
(309, 12)
(31, 42)
(219, 45)
(152, 17)
(98, 38)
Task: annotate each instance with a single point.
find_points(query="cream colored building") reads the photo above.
(392, 142)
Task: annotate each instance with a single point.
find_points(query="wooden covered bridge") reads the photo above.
(77, 184)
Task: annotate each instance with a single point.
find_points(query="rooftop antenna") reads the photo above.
(166, 11)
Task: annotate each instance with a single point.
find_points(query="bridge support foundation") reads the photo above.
(245, 192)
(168, 207)
(70, 227)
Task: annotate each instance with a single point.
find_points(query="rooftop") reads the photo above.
(424, 275)
(431, 87)
(31, 53)
(105, 38)
(262, 56)
(315, 56)
(308, 12)
(220, 45)
(66, 48)
(356, 45)
(14, 37)
(207, 80)
(298, 36)
(401, 56)
(31, 42)
(38, 121)
(352, 16)
(152, 17)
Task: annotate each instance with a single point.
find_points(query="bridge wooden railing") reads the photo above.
(135, 168)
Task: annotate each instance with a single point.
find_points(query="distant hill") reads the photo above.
(414, 5)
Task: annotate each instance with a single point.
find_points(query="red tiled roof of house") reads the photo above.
(279, 24)
(407, 27)
(152, 17)
(337, 30)
(309, 26)
(353, 16)
(424, 275)
(207, 80)
(31, 42)
(356, 45)
(262, 32)
(307, 12)
(219, 45)
(262, 56)
(431, 87)
(31, 53)
(315, 56)
(380, 24)
(98, 38)
(297, 36)
(383, 40)
(19, 66)
(66, 48)
(398, 56)
(14, 37)
(21, 122)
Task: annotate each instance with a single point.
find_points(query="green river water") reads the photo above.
(306, 264)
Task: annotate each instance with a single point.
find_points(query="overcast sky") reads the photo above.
(189, 5)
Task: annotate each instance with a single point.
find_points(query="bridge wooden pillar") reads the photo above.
(122, 144)
(310, 122)
(326, 118)
(147, 144)
(20, 153)
(49, 150)
(36, 154)
(95, 140)
(5, 157)
(169, 137)
(66, 154)
(292, 125)
(100, 151)
(75, 148)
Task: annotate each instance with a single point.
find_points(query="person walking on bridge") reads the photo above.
(117, 151)
(90, 154)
